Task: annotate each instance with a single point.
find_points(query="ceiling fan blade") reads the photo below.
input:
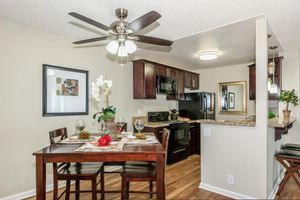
(144, 21)
(89, 21)
(91, 40)
(153, 40)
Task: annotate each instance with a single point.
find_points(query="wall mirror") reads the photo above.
(233, 98)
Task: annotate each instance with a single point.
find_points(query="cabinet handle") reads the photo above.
(179, 150)
(192, 126)
(161, 131)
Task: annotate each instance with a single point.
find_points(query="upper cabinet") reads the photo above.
(191, 80)
(144, 80)
(276, 79)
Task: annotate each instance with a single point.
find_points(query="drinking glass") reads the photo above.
(120, 123)
(139, 125)
(80, 125)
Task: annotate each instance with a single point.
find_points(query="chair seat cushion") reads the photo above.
(142, 170)
(83, 169)
(295, 147)
(289, 154)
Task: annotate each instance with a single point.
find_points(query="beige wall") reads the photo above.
(23, 50)
(209, 79)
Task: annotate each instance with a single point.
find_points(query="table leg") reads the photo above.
(160, 167)
(40, 170)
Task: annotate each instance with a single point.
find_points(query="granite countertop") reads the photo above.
(280, 123)
(275, 123)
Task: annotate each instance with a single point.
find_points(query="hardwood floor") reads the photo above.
(182, 180)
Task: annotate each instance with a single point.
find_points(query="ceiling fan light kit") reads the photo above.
(208, 55)
(122, 33)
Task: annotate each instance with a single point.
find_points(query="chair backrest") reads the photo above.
(165, 140)
(58, 133)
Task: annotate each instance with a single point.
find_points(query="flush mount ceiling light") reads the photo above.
(208, 55)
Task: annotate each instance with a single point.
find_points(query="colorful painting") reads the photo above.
(66, 87)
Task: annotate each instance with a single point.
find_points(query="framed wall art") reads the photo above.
(65, 91)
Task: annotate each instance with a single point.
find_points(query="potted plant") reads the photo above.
(107, 114)
(287, 97)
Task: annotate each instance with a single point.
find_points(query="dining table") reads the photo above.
(68, 152)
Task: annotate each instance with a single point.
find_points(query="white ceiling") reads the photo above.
(179, 20)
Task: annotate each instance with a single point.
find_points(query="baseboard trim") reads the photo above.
(224, 192)
(30, 193)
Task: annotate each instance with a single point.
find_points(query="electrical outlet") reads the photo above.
(230, 179)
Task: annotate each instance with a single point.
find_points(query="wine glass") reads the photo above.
(80, 125)
(120, 123)
(139, 125)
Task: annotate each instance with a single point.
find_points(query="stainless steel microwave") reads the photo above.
(166, 85)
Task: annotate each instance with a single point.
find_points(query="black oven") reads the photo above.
(179, 141)
(166, 85)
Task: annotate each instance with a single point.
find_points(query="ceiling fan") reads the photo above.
(122, 34)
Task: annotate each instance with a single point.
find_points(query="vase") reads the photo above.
(112, 129)
(286, 115)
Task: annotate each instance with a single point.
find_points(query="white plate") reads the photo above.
(131, 137)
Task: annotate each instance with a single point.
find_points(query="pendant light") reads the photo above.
(273, 87)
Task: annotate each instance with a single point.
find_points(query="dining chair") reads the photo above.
(115, 168)
(142, 172)
(73, 171)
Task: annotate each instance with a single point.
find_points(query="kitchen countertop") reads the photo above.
(275, 123)
(280, 123)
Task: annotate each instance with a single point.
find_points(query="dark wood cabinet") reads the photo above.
(277, 79)
(178, 76)
(144, 80)
(191, 80)
(195, 138)
(162, 70)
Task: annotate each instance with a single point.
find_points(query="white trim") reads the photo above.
(274, 191)
(30, 193)
(224, 192)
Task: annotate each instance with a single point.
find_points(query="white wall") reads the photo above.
(240, 151)
(209, 79)
(23, 50)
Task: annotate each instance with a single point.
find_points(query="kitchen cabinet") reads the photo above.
(277, 79)
(178, 76)
(162, 70)
(144, 80)
(195, 138)
(191, 80)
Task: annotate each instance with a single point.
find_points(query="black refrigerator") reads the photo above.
(200, 105)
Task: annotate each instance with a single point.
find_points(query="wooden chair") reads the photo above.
(290, 160)
(113, 165)
(141, 172)
(77, 172)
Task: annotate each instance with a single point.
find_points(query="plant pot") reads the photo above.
(286, 115)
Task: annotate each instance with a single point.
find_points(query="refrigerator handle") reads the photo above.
(205, 107)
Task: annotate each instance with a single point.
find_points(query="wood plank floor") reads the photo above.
(182, 180)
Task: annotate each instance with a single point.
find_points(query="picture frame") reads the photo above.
(231, 100)
(65, 91)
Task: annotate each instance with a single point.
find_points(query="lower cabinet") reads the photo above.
(195, 138)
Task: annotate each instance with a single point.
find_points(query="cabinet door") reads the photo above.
(180, 85)
(150, 81)
(162, 70)
(187, 80)
(195, 81)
